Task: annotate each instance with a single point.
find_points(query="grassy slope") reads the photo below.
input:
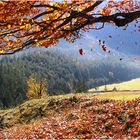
(130, 85)
(119, 95)
(74, 116)
(29, 111)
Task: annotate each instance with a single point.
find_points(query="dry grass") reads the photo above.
(125, 91)
(129, 85)
(32, 110)
(119, 95)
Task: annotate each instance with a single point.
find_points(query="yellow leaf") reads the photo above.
(22, 27)
(1, 51)
(27, 25)
(6, 39)
(9, 26)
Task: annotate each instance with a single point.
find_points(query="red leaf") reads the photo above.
(81, 51)
(104, 48)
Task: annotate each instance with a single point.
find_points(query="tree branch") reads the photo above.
(119, 19)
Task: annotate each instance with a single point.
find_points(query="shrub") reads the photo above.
(114, 89)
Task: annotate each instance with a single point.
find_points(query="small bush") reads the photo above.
(114, 89)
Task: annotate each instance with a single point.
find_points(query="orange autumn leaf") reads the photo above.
(53, 20)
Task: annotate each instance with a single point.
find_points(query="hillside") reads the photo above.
(62, 73)
(131, 85)
(71, 116)
(121, 91)
(121, 95)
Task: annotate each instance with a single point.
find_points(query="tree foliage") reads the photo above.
(43, 23)
(36, 89)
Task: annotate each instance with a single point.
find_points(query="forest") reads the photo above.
(63, 74)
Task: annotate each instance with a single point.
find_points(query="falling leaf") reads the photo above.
(81, 51)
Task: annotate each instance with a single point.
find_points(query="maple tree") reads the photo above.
(25, 24)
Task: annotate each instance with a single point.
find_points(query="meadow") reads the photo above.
(131, 85)
(119, 95)
(121, 91)
(108, 115)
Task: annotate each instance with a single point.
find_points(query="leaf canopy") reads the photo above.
(25, 23)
